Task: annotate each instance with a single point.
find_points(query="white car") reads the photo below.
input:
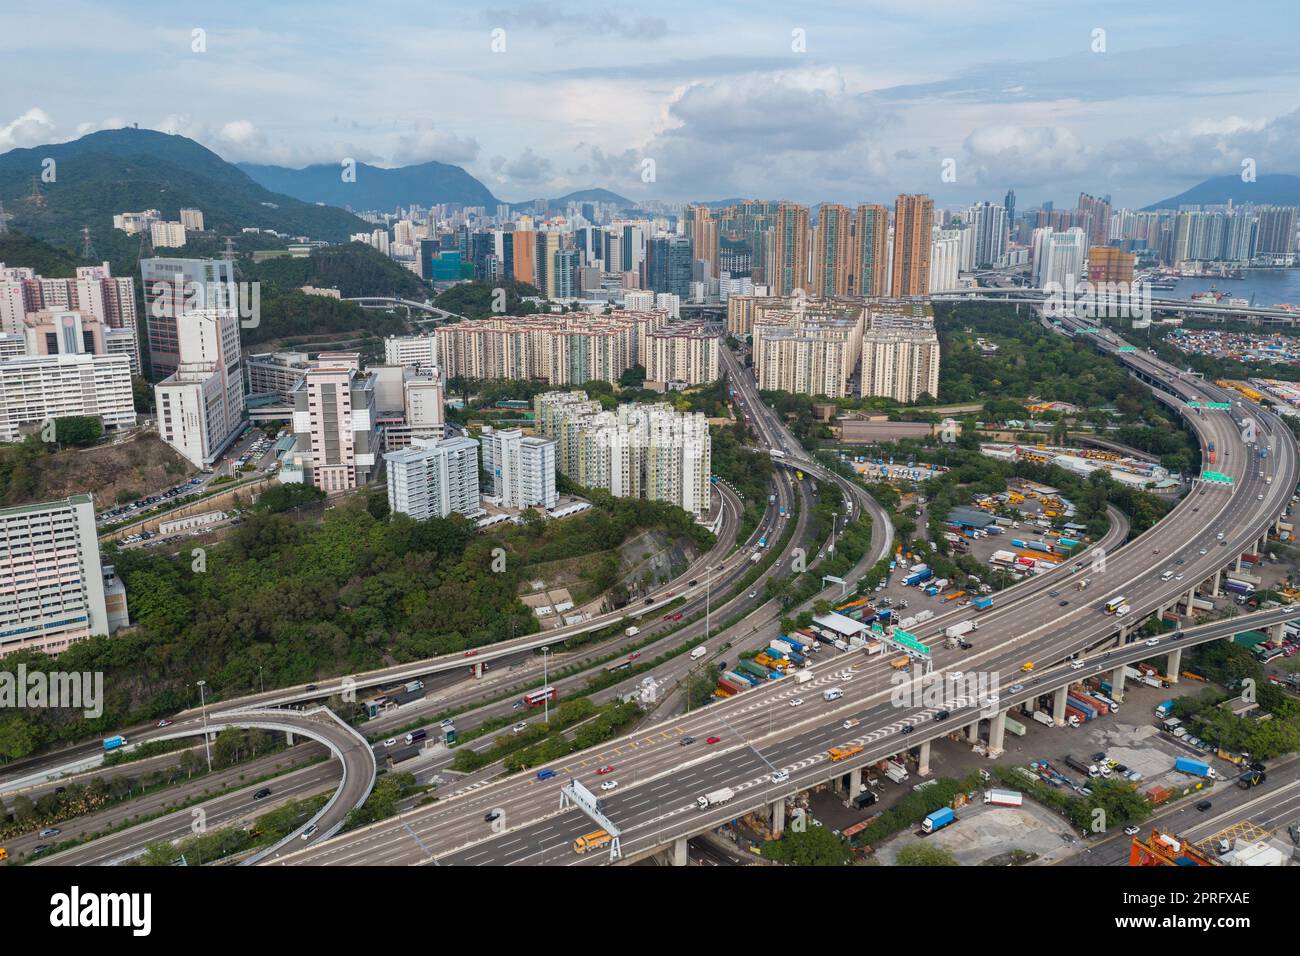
(390, 742)
(1153, 642)
(1131, 830)
(520, 727)
(991, 699)
(781, 776)
(753, 594)
(796, 702)
(609, 785)
(1077, 665)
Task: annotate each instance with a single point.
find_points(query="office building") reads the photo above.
(173, 287)
(913, 225)
(415, 351)
(335, 439)
(521, 468)
(200, 405)
(52, 584)
(434, 478)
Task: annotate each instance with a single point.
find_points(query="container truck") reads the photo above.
(917, 577)
(1165, 708)
(1080, 766)
(759, 671)
(895, 771)
(715, 797)
(1194, 767)
(982, 603)
(1014, 726)
(1043, 718)
(1074, 717)
(1004, 798)
(1089, 710)
(958, 629)
(1239, 587)
(413, 686)
(114, 743)
(922, 616)
(938, 820)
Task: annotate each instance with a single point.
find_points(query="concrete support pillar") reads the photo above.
(997, 733)
(855, 783)
(1275, 631)
(681, 852)
(288, 738)
(778, 818)
(1175, 664)
(923, 762)
(1191, 596)
(1059, 704)
(478, 668)
(1123, 635)
(1117, 683)
(1237, 566)
(1218, 580)
(973, 732)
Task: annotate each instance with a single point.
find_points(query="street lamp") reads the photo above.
(207, 747)
(546, 700)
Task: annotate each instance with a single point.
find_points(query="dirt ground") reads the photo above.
(142, 466)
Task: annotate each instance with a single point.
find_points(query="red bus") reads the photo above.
(538, 697)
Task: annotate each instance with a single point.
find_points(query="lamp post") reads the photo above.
(203, 703)
(546, 701)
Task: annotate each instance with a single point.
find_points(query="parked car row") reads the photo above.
(144, 504)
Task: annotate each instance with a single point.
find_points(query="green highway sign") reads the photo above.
(1127, 348)
(1193, 404)
(1216, 476)
(1224, 405)
(910, 642)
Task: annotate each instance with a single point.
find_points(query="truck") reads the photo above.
(632, 631)
(114, 743)
(1004, 798)
(1014, 726)
(757, 670)
(917, 577)
(699, 652)
(895, 771)
(1194, 767)
(747, 679)
(982, 603)
(780, 646)
(1089, 710)
(920, 617)
(1251, 778)
(1239, 587)
(1083, 768)
(803, 676)
(958, 629)
(413, 686)
(1074, 717)
(1043, 718)
(756, 557)
(715, 797)
(938, 820)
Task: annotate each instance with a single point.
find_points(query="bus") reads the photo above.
(844, 753)
(538, 697)
(622, 665)
(591, 841)
(1114, 604)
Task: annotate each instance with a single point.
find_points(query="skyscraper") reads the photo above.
(173, 287)
(913, 221)
(702, 230)
(788, 267)
(832, 257)
(871, 251)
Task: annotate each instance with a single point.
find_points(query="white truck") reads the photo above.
(715, 797)
(803, 676)
(632, 631)
(1004, 798)
(922, 616)
(699, 652)
(756, 557)
(958, 629)
(1043, 718)
(895, 771)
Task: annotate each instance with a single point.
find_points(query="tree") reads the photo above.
(924, 854)
(633, 377)
(813, 846)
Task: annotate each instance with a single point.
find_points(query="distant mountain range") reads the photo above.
(375, 188)
(121, 170)
(1274, 189)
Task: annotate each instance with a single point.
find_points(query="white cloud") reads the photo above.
(32, 128)
(427, 143)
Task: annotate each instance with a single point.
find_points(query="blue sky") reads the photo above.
(1021, 93)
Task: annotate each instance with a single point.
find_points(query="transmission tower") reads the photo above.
(87, 245)
(36, 198)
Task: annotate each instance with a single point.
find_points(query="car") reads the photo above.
(262, 794)
(390, 742)
(796, 702)
(1204, 805)
(1062, 603)
(311, 687)
(1153, 642)
(1076, 665)
(668, 616)
(307, 833)
(677, 616)
(781, 776)
(1259, 497)
(1223, 544)
(50, 832)
(608, 768)
(1205, 550)
(1017, 688)
(491, 815)
(687, 741)
(965, 645)
(634, 655)
(164, 723)
(693, 582)
(40, 848)
(649, 600)
(1178, 576)
(609, 785)
(520, 727)
(991, 699)
(753, 594)
(472, 652)
(1131, 829)
(1053, 593)
(822, 554)
(713, 740)
(906, 729)
(955, 675)
(1155, 550)
(1179, 561)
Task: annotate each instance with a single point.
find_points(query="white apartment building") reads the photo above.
(945, 260)
(166, 234)
(682, 352)
(1058, 257)
(413, 351)
(52, 584)
(808, 350)
(192, 220)
(95, 293)
(635, 300)
(434, 478)
(637, 451)
(35, 389)
(334, 415)
(200, 406)
(521, 467)
(900, 352)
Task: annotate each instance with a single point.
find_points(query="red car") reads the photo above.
(634, 655)
(608, 768)
(471, 653)
(677, 616)
(713, 740)
(668, 616)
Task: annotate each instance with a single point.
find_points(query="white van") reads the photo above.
(833, 694)
(1166, 576)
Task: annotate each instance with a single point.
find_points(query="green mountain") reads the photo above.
(122, 170)
(1274, 189)
(376, 188)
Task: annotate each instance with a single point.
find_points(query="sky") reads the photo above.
(825, 101)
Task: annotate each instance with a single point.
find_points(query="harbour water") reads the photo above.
(1268, 286)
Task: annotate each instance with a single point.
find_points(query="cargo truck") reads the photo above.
(922, 616)
(758, 670)
(699, 652)
(632, 631)
(803, 677)
(1043, 718)
(1004, 798)
(114, 743)
(1014, 726)
(982, 603)
(895, 772)
(1194, 767)
(938, 820)
(715, 797)
(958, 629)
